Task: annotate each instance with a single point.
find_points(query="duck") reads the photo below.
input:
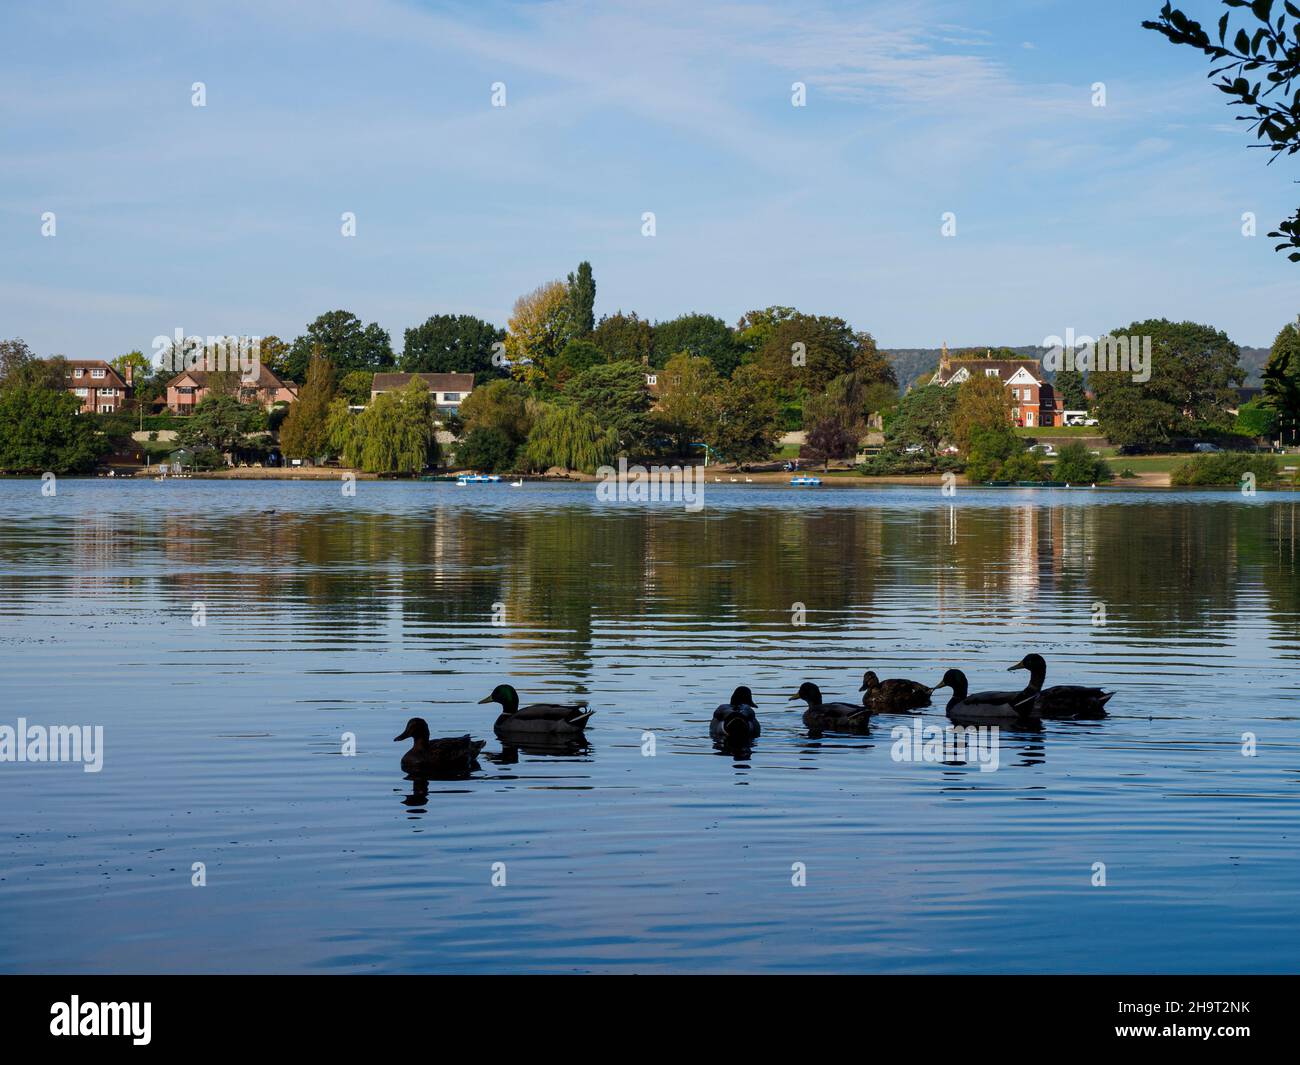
(893, 696)
(538, 719)
(735, 721)
(985, 706)
(833, 717)
(451, 755)
(1062, 700)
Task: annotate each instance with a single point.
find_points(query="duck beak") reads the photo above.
(488, 699)
(1018, 665)
(863, 688)
(793, 697)
(404, 736)
(941, 684)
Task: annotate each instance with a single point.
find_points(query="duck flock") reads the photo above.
(735, 723)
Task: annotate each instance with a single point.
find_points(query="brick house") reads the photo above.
(449, 389)
(188, 389)
(101, 389)
(1036, 401)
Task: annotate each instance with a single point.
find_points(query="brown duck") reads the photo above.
(442, 757)
(893, 696)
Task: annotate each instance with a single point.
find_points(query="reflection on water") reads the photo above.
(335, 615)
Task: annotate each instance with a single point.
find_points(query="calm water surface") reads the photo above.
(329, 615)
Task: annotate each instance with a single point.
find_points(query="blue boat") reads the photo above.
(477, 478)
(806, 482)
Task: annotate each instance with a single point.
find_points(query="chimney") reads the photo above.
(126, 374)
(943, 358)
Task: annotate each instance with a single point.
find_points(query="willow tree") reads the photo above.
(570, 438)
(397, 433)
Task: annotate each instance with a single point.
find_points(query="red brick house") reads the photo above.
(188, 388)
(101, 389)
(1036, 402)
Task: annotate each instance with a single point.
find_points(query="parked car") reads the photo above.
(1043, 449)
(913, 449)
(1205, 446)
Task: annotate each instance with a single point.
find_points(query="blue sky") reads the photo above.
(226, 219)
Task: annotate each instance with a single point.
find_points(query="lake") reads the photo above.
(324, 615)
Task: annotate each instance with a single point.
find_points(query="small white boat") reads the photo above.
(477, 478)
(806, 482)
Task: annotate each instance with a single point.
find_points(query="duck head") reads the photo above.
(870, 682)
(416, 729)
(1036, 666)
(742, 696)
(506, 696)
(809, 693)
(956, 680)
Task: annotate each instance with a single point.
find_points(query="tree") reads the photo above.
(830, 439)
(1194, 373)
(982, 402)
(615, 394)
(1282, 378)
(1075, 464)
(806, 352)
(453, 343)
(570, 438)
(304, 434)
(1069, 384)
(41, 428)
(140, 366)
(742, 421)
(998, 454)
(342, 338)
(355, 387)
(687, 386)
(397, 433)
(274, 354)
(923, 418)
(625, 337)
(702, 335)
(1273, 47)
(501, 405)
(578, 355)
(13, 354)
(486, 450)
(1256, 419)
(220, 422)
(538, 329)
(582, 301)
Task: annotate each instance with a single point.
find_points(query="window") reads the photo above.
(106, 408)
(651, 379)
(451, 397)
(78, 373)
(97, 373)
(108, 391)
(83, 392)
(185, 390)
(990, 373)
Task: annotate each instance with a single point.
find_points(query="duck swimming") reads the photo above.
(985, 706)
(735, 721)
(831, 717)
(445, 757)
(893, 696)
(1061, 700)
(554, 720)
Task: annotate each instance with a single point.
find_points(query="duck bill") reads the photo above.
(1018, 665)
(404, 736)
(485, 699)
(940, 685)
(863, 688)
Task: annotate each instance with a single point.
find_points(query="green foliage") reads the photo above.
(570, 438)
(983, 402)
(1069, 386)
(807, 352)
(453, 343)
(578, 355)
(582, 301)
(304, 433)
(1273, 113)
(687, 386)
(923, 417)
(997, 453)
(1282, 377)
(355, 387)
(1256, 419)
(502, 405)
(625, 337)
(396, 434)
(340, 337)
(487, 451)
(1194, 371)
(41, 429)
(1075, 464)
(615, 395)
(220, 422)
(831, 439)
(742, 419)
(1224, 468)
(701, 335)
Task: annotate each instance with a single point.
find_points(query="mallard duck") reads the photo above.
(735, 721)
(539, 719)
(454, 754)
(830, 717)
(985, 706)
(1061, 700)
(893, 696)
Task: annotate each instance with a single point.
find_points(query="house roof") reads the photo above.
(112, 379)
(265, 379)
(1007, 368)
(435, 382)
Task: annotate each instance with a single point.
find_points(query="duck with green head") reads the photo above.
(1062, 700)
(831, 717)
(735, 721)
(996, 706)
(450, 756)
(537, 719)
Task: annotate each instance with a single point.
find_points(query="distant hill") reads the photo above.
(912, 364)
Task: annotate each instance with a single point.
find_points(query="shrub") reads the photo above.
(1224, 468)
(487, 449)
(1075, 464)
